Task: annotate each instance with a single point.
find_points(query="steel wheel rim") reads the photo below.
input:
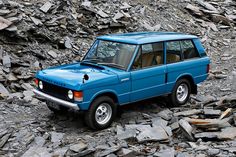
(182, 92)
(103, 113)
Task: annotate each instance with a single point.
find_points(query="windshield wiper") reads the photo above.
(88, 62)
(92, 60)
(113, 65)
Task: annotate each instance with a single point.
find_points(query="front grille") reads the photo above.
(56, 91)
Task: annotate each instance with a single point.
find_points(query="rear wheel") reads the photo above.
(101, 113)
(180, 93)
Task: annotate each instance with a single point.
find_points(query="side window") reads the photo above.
(173, 52)
(149, 55)
(188, 49)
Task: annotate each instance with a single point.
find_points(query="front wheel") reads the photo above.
(101, 113)
(180, 93)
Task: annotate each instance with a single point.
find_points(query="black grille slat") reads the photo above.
(56, 91)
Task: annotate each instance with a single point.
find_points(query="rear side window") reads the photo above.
(188, 49)
(173, 52)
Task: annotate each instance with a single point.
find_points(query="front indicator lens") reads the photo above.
(40, 84)
(70, 94)
(36, 81)
(78, 96)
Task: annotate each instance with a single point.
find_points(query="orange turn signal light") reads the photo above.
(36, 81)
(78, 96)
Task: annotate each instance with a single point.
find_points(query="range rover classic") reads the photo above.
(124, 68)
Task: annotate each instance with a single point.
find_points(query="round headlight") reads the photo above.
(40, 84)
(70, 94)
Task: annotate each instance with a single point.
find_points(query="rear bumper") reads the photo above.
(57, 100)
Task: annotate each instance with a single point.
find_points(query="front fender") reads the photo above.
(92, 94)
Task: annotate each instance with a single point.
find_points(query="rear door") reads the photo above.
(182, 58)
(148, 72)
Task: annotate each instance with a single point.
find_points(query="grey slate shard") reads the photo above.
(4, 23)
(149, 133)
(187, 129)
(6, 61)
(3, 91)
(46, 7)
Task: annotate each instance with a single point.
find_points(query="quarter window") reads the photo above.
(188, 49)
(149, 55)
(173, 52)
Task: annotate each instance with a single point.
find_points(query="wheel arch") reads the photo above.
(191, 81)
(110, 94)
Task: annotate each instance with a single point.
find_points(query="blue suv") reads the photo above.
(123, 68)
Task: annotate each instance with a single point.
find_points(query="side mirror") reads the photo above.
(86, 77)
(40, 66)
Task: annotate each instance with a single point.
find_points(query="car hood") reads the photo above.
(71, 76)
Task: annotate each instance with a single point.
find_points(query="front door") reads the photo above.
(148, 73)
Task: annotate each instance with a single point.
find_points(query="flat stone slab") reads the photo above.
(186, 129)
(213, 152)
(78, 147)
(37, 151)
(166, 153)
(3, 91)
(125, 134)
(211, 112)
(158, 121)
(4, 23)
(209, 123)
(142, 133)
(124, 152)
(46, 7)
(149, 133)
(166, 114)
(207, 135)
(56, 137)
(187, 113)
(231, 149)
(228, 133)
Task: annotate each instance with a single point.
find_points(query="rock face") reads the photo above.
(40, 34)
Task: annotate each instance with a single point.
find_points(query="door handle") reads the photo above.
(124, 79)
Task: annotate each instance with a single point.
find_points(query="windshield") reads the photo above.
(111, 54)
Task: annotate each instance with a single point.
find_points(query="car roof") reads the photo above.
(145, 37)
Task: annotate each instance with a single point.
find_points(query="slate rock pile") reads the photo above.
(200, 128)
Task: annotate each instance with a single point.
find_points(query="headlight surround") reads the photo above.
(40, 84)
(70, 94)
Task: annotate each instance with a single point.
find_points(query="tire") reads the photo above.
(181, 93)
(61, 109)
(101, 113)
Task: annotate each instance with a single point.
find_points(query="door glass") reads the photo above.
(149, 55)
(173, 52)
(188, 49)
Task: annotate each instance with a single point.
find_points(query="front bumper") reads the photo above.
(56, 100)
